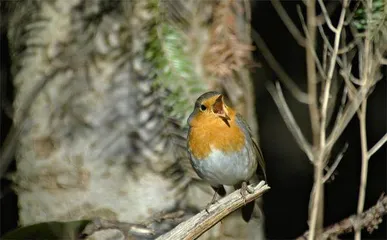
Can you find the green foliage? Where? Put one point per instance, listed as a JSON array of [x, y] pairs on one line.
[[372, 21], [173, 67]]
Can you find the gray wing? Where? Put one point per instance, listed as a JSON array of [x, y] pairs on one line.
[[257, 149]]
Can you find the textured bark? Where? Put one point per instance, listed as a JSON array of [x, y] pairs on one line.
[[95, 140]]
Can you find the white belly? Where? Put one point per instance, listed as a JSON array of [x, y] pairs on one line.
[[226, 169]]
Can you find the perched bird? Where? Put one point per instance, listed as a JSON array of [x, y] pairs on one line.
[[222, 149]]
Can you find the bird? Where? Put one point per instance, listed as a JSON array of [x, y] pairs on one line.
[[221, 148]]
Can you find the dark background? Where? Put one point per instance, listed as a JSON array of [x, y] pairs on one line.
[[290, 174]]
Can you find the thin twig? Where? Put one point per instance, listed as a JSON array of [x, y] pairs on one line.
[[327, 17], [311, 71], [331, 69], [378, 145], [368, 219], [282, 75], [201, 222], [315, 216], [288, 22], [319, 66], [327, 43], [331, 8], [347, 115], [364, 162], [335, 163], [279, 99], [365, 67], [319, 181]]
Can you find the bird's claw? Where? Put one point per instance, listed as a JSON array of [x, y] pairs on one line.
[[245, 190], [213, 200], [208, 207]]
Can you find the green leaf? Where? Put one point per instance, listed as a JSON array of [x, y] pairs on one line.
[[173, 66]]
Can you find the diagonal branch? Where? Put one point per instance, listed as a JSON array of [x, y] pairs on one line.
[[368, 219], [335, 163], [279, 99], [201, 222], [282, 75], [288, 22], [327, 17], [377, 146]]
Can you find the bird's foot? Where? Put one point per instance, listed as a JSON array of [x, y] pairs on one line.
[[208, 207], [245, 190], [213, 200]]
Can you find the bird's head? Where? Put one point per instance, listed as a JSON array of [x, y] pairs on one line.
[[210, 105]]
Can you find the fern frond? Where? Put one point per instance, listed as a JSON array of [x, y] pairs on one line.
[[173, 68]]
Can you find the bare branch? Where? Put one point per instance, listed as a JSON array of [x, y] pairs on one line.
[[319, 66], [368, 219], [382, 61], [367, 79], [331, 7], [378, 145], [347, 115], [316, 200], [311, 72], [288, 22], [282, 75], [201, 222], [326, 15], [364, 162], [335, 163], [331, 69], [279, 99]]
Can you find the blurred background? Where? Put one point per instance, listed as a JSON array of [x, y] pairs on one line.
[[290, 174]]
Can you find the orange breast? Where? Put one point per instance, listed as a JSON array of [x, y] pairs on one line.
[[207, 131]]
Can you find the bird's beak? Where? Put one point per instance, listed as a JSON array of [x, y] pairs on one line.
[[219, 108]]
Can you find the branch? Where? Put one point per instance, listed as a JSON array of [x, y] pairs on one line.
[[330, 74], [282, 75], [347, 115], [311, 71], [368, 219], [288, 118], [364, 162], [335, 163], [316, 200], [312, 49], [201, 222], [377, 145], [288, 22], [327, 17]]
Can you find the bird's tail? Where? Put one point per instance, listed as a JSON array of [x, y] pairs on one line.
[[247, 211]]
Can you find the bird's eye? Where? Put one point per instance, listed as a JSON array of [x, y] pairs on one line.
[[202, 107]]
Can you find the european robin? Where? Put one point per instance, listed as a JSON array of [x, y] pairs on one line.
[[222, 149]]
